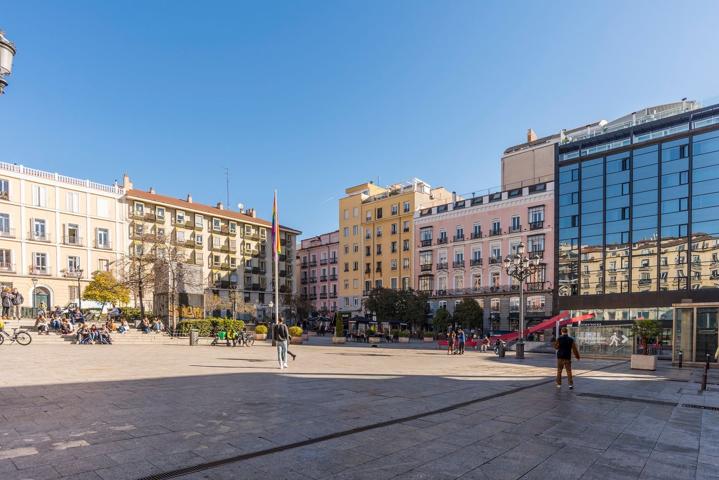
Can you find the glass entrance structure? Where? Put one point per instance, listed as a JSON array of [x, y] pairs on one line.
[[695, 331]]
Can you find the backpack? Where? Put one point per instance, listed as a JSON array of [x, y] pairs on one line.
[[19, 300]]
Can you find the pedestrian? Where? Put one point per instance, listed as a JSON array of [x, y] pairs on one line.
[[450, 343], [565, 346], [281, 335], [17, 302], [460, 339]]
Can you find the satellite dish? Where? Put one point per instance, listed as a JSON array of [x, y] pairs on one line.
[[240, 206]]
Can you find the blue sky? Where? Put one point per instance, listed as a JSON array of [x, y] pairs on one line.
[[311, 97]]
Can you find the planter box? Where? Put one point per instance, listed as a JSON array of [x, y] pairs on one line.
[[339, 340], [373, 339], [311, 334], [644, 362], [428, 339], [260, 336], [296, 340], [403, 339]]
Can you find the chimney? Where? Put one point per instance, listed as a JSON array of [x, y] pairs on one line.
[[454, 197], [152, 190], [531, 135], [189, 198], [220, 206], [126, 182], [251, 212]]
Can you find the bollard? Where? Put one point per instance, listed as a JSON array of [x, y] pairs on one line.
[[706, 372], [501, 352], [194, 336], [681, 358]]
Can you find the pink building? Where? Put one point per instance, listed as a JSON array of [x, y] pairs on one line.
[[317, 258], [461, 246]]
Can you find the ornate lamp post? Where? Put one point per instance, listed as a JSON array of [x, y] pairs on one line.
[[78, 274], [7, 52], [520, 267], [34, 286]]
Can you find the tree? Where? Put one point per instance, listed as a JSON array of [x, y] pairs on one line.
[[411, 308], [441, 320], [301, 306], [339, 325], [104, 289], [469, 314], [382, 302], [645, 330]]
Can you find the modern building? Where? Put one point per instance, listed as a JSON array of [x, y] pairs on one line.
[[318, 271], [639, 226], [55, 231], [461, 246], [231, 248], [376, 237]]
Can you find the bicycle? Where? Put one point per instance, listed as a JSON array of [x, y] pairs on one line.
[[18, 335], [246, 339]]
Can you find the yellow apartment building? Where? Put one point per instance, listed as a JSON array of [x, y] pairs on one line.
[[231, 250], [376, 237], [55, 231]]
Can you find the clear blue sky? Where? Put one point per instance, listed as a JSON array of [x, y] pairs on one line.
[[310, 97]]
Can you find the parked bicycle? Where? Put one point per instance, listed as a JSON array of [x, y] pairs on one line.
[[245, 339], [19, 335]]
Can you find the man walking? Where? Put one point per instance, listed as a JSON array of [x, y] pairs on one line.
[[17, 302], [461, 339], [281, 335], [565, 346]]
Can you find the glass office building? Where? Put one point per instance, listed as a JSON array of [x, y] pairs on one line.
[[638, 223]]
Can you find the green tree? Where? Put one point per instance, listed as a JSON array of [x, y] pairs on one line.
[[411, 308], [383, 303], [441, 320], [104, 288], [646, 330], [469, 314], [339, 325]]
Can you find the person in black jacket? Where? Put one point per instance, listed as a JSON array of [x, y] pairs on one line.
[[565, 346], [281, 335]]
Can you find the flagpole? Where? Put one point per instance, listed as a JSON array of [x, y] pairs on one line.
[[276, 241]]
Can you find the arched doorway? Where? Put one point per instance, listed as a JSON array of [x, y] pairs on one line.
[[42, 296]]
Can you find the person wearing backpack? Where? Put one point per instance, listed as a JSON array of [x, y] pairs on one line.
[[17, 302], [281, 336]]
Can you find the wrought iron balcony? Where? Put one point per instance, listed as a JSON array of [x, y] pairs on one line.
[[495, 232], [425, 243], [442, 266], [425, 267], [458, 264], [476, 262], [536, 225], [458, 238], [476, 235], [442, 240]]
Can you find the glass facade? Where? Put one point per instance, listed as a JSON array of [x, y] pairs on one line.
[[644, 220]]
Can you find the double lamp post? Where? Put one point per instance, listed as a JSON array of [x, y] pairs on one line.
[[7, 52], [521, 266]]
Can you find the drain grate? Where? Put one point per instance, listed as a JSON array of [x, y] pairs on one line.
[[700, 407], [628, 399]]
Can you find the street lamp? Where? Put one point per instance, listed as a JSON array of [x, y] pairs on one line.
[[271, 305], [520, 267], [78, 274], [7, 52]]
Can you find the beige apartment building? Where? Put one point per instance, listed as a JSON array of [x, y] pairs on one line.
[[376, 237], [231, 250], [55, 231]]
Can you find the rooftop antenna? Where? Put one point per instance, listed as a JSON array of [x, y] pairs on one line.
[[227, 185]]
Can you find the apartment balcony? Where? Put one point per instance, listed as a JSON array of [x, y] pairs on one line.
[[323, 278], [426, 267], [197, 260], [323, 295], [304, 265], [304, 280], [38, 237], [458, 264], [442, 240], [333, 260], [225, 284], [107, 245], [442, 266], [425, 243], [378, 270], [4, 195], [475, 262], [257, 287], [71, 273], [495, 232], [367, 271], [313, 263], [333, 277], [405, 230], [515, 229], [536, 286], [35, 270], [333, 294], [476, 235], [313, 296], [495, 260], [645, 281], [536, 253], [313, 279], [536, 225], [441, 293], [323, 261], [7, 267], [7, 233], [458, 238], [252, 236]]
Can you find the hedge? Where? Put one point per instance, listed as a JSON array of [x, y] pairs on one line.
[[295, 331], [209, 326], [261, 329]]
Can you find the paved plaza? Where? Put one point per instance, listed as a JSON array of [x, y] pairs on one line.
[[344, 412]]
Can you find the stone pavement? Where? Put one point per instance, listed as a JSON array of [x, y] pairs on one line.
[[130, 412]]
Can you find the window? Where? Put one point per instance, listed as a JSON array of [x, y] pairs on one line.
[[73, 264], [405, 207], [516, 225], [379, 231], [160, 214], [72, 234], [39, 262], [102, 238], [355, 266], [72, 202], [393, 264], [346, 214], [198, 239], [368, 215], [367, 251], [263, 233], [180, 217], [355, 212], [476, 230], [38, 230], [535, 303], [496, 227], [355, 229], [347, 267], [180, 236], [459, 233], [495, 280], [103, 209], [405, 263], [514, 304], [355, 248], [248, 230], [103, 265], [393, 283], [4, 224], [393, 229], [405, 245], [476, 281], [139, 208], [39, 196], [459, 282], [405, 226], [216, 241], [494, 305], [379, 249], [5, 260], [216, 224], [395, 209], [535, 243], [233, 262], [536, 215], [379, 266], [216, 259], [405, 283], [393, 247], [4, 189]]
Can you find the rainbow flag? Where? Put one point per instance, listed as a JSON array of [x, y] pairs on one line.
[[276, 246]]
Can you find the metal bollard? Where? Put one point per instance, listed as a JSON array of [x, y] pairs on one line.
[[706, 372], [194, 336], [681, 358]]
